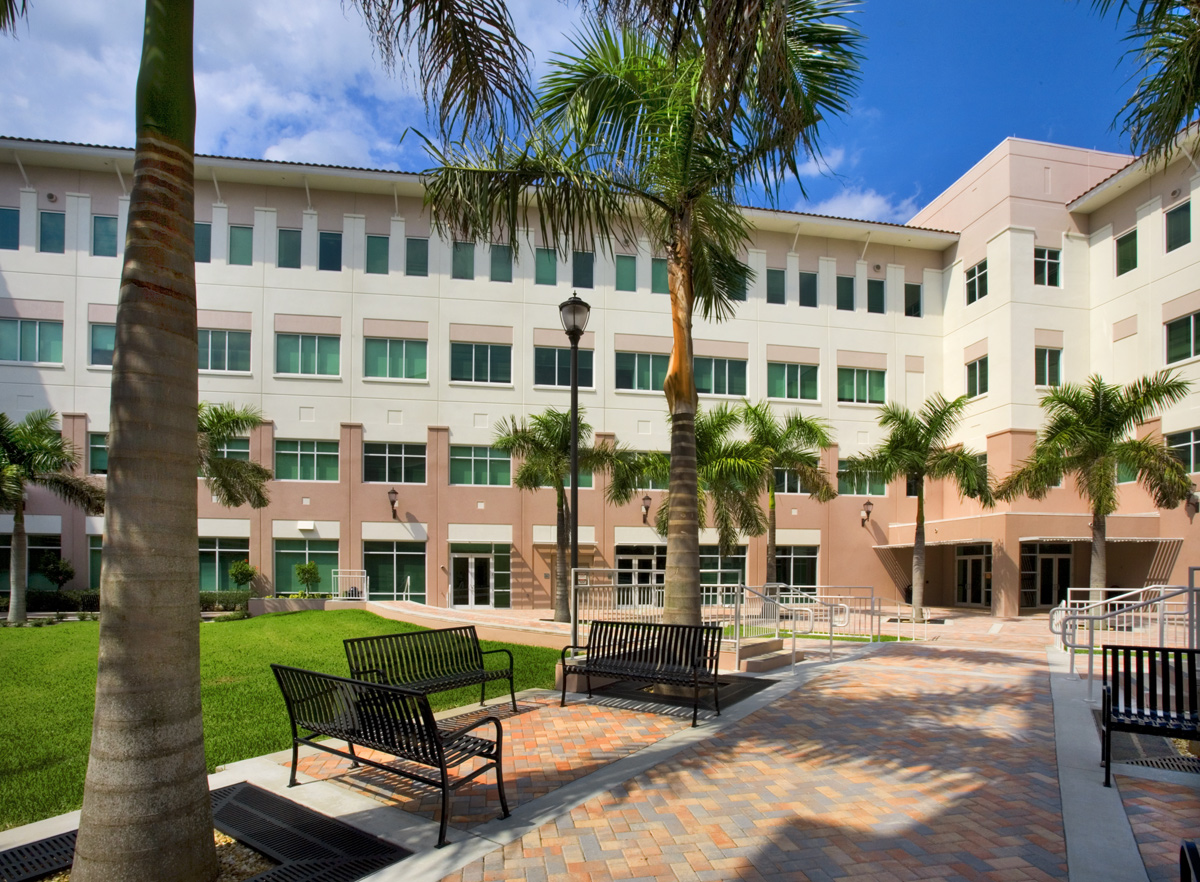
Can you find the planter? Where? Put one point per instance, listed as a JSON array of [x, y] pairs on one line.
[[262, 605]]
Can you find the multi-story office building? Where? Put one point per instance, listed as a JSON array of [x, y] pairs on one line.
[[384, 357]]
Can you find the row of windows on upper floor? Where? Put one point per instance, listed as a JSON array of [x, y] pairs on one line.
[[52, 238]]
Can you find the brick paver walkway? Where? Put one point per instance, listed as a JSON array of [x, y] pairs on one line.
[[1161, 815]]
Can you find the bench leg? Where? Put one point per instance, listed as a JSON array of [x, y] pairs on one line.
[[354, 762], [483, 693], [512, 691], [441, 843], [295, 761], [504, 812], [1106, 750], [563, 703], [717, 696]]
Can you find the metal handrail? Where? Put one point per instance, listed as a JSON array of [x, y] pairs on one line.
[[806, 609], [1120, 598], [743, 590]]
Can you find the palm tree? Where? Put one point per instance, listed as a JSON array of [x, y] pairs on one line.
[[34, 452], [1088, 434], [544, 445], [231, 480], [793, 444], [627, 139], [1166, 100], [917, 447]]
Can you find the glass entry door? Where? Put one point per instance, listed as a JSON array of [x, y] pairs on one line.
[[471, 581], [974, 576], [1054, 578]]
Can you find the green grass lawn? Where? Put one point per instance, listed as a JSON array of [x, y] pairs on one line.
[[48, 690]]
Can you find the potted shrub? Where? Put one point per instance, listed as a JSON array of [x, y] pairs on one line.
[[309, 576]]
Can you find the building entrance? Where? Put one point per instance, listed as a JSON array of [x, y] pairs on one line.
[[471, 581]]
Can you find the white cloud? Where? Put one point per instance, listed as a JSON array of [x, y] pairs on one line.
[[829, 162], [864, 204]]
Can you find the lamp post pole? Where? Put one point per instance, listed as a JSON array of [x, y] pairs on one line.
[[574, 313]]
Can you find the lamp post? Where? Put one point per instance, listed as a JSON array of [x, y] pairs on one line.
[[574, 313]]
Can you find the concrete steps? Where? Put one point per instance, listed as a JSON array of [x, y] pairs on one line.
[[760, 655]]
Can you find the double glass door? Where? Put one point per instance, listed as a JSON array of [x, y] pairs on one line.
[[974, 576], [471, 579], [1054, 578]]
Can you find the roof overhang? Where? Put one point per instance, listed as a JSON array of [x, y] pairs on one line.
[[936, 543], [1137, 172], [1088, 539]]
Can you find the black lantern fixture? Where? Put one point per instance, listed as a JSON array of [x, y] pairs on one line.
[[646, 500], [392, 497], [865, 514], [574, 313]]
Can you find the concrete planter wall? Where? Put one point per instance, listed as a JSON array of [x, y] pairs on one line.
[[262, 605]]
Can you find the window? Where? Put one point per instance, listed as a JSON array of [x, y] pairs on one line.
[[31, 341], [104, 235], [502, 263], [289, 249], [864, 484], [977, 282], [787, 482], [659, 282], [97, 454], [306, 460], [1046, 263], [876, 301], [912, 300], [394, 463], [104, 341], [912, 486], [1127, 252], [41, 550], [95, 559], [642, 371], [416, 257], [776, 286], [395, 359], [1179, 226], [203, 234], [545, 267], [329, 252], [808, 289], [1183, 341], [234, 448], [480, 363], [289, 552], [626, 272], [482, 466], [378, 248], [223, 350], [395, 570], [1186, 446], [10, 229], [796, 565], [552, 367], [241, 246], [216, 557], [308, 355], [795, 381], [462, 260], [737, 291], [845, 292], [52, 232], [720, 376], [717, 569], [1047, 367], [1126, 474], [977, 377], [582, 269], [861, 385]]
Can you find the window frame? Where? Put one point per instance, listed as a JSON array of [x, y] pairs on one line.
[[629, 260], [225, 370], [289, 242], [92, 328], [1119, 243], [808, 283], [561, 353], [719, 365], [240, 229], [1186, 205], [867, 372], [317, 338], [847, 295], [919, 300], [488, 459], [404, 342], [800, 370], [976, 282], [1046, 262], [875, 486], [776, 286], [876, 296], [413, 258], [378, 241], [1193, 325], [403, 456], [315, 456], [651, 370], [977, 377], [38, 341], [462, 261], [326, 240], [1041, 363], [492, 365], [44, 215], [116, 243]]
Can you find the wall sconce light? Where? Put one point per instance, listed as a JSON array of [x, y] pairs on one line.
[[865, 514], [392, 497], [646, 500], [1191, 505]]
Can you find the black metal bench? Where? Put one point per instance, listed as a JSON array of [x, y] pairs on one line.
[[1148, 691], [428, 661], [674, 655], [390, 719]]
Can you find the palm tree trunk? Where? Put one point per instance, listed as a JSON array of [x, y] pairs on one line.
[[918, 567], [1098, 576], [681, 594], [18, 581], [771, 520], [146, 809], [562, 595]]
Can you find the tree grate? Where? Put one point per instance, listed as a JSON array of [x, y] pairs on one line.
[[307, 846], [1169, 763]]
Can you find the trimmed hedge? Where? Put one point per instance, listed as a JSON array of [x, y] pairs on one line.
[[89, 601]]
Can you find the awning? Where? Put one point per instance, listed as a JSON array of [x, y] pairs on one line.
[[935, 542], [1088, 539]]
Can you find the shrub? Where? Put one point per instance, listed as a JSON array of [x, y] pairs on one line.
[[211, 601], [236, 616], [308, 575], [242, 572], [58, 570]]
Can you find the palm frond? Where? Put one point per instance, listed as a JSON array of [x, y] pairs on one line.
[[236, 482], [12, 11]]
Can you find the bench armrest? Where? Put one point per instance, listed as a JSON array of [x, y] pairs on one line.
[[505, 651], [451, 734], [566, 649], [367, 673]]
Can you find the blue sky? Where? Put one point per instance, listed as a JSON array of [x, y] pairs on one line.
[[943, 82]]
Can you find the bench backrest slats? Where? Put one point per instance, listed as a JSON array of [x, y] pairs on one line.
[[414, 656], [1148, 680], [656, 646]]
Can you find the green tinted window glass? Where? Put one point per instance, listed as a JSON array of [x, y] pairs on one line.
[[545, 267], [626, 365], [1179, 339], [377, 255], [502, 263], [10, 229], [416, 257], [808, 289], [97, 454], [1126, 473], [808, 382], [49, 342], [545, 366], [289, 249], [912, 300], [659, 283], [52, 232], [287, 353], [462, 260], [1127, 258], [375, 357], [104, 236], [1179, 226], [104, 341], [845, 292], [203, 242], [626, 266], [776, 380], [328, 356], [737, 291], [776, 286], [415, 359], [329, 251], [10, 340], [875, 385], [875, 296], [238, 353], [95, 556], [462, 362], [582, 268], [845, 384], [241, 246]]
